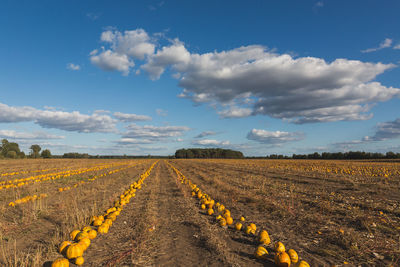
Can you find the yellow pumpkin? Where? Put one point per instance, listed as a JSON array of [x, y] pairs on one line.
[[101, 218], [81, 235], [103, 229], [86, 229], [108, 221], [238, 226], [248, 230], [63, 245], [60, 262], [264, 238], [242, 219], [92, 234], [74, 233], [79, 261], [97, 222], [279, 247], [253, 227], [218, 217], [227, 214], [293, 255], [282, 259], [74, 250], [85, 243], [229, 220], [221, 208], [303, 264], [210, 211], [222, 222], [203, 207], [261, 253]]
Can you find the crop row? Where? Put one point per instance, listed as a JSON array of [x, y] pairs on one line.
[[74, 249], [224, 218], [52, 176], [32, 198], [25, 172]]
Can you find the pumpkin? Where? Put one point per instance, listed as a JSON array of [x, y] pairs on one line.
[[253, 227], [238, 226], [229, 220], [203, 206], [101, 218], [97, 222], [103, 229], [210, 211], [303, 264], [112, 217], [227, 214], [218, 217], [264, 238], [293, 255], [193, 194], [74, 250], [86, 229], [282, 259], [79, 261], [222, 222], [108, 221], [242, 219], [60, 262], [63, 245], [221, 208], [92, 234], [85, 242], [261, 253], [81, 235], [248, 230], [279, 247], [74, 233]]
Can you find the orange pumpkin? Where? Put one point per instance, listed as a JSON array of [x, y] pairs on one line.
[[74, 250], [60, 262], [293, 255], [282, 259]]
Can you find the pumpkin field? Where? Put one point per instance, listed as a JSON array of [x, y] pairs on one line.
[[199, 212]]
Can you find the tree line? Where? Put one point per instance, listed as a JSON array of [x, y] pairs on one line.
[[208, 153], [11, 150], [339, 155]]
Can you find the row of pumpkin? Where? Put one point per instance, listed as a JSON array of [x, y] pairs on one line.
[[25, 172], [53, 176], [74, 249], [224, 218], [32, 198]]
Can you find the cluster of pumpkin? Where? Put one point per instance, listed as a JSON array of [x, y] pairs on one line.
[[81, 239], [224, 219], [51, 176], [25, 172], [93, 178], [26, 199]]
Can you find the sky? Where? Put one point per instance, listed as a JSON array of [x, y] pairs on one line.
[[150, 77]]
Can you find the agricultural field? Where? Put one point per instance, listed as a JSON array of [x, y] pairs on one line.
[[199, 212]]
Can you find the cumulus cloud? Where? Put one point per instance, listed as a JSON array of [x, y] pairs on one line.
[[68, 121], [11, 134], [211, 143], [301, 90], [109, 61], [277, 137], [154, 133], [125, 117], [396, 46], [384, 44], [72, 66], [385, 131], [204, 134]]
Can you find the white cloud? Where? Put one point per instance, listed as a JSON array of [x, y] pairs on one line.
[[110, 61], [28, 135], [204, 134], [235, 112], [93, 16], [68, 121], [125, 117], [277, 137], [134, 141], [154, 133], [211, 143], [301, 90], [397, 46], [384, 44], [319, 4], [161, 112], [72, 66]]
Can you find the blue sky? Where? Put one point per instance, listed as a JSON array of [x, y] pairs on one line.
[[149, 77]]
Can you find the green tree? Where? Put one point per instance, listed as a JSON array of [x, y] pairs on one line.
[[35, 149], [11, 154], [46, 154]]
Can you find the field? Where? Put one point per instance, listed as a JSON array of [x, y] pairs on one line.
[[156, 211]]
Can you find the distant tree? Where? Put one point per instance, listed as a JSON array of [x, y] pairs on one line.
[[12, 154], [21, 155], [46, 154], [207, 153], [7, 147], [35, 150]]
